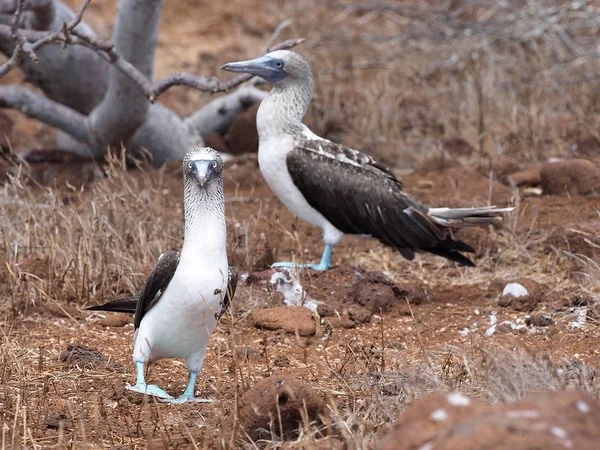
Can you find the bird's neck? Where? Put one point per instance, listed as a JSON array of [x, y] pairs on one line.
[[205, 232], [282, 111]]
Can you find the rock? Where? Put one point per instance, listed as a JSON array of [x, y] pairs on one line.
[[545, 420], [539, 320], [359, 315], [504, 167], [457, 146], [376, 293], [521, 295], [116, 320], [573, 176], [288, 318], [526, 178], [278, 396], [77, 355], [325, 310]]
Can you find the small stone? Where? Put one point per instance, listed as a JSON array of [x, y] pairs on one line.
[[572, 176], [325, 310], [359, 315], [288, 318], [539, 320]]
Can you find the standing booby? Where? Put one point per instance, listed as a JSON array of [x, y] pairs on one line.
[[338, 189], [185, 294]]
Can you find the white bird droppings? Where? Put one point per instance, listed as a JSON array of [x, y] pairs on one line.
[[583, 407], [514, 290], [458, 399], [559, 432], [293, 293], [427, 446], [439, 415], [579, 322]]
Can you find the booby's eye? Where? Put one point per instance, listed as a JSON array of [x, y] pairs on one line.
[[279, 64]]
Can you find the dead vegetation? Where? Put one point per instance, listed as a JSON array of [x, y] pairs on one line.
[[431, 80]]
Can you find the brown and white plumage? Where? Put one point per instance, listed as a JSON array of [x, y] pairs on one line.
[[339, 189]]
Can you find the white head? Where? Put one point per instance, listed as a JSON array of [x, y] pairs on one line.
[[280, 67], [204, 166]]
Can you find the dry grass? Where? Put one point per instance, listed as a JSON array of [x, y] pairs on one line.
[[66, 248]]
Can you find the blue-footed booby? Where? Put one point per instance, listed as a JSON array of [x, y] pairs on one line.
[[339, 189], [185, 294]]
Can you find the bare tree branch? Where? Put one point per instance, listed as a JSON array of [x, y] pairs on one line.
[[23, 38], [45, 110]]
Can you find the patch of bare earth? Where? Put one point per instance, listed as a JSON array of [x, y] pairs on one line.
[[386, 331]]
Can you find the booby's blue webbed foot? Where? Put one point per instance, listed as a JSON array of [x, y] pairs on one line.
[[187, 398], [325, 263], [293, 265], [142, 387], [150, 389], [188, 395]]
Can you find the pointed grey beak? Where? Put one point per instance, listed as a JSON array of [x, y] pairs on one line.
[[270, 69], [203, 170]]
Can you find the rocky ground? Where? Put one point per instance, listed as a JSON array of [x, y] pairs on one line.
[[378, 352]]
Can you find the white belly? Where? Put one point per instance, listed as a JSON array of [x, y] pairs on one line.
[[181, 323], [272, 161]]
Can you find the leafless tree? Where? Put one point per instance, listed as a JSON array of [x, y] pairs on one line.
[[100, 95]]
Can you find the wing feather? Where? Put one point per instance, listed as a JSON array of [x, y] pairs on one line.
[[359, 196], [156, 283]]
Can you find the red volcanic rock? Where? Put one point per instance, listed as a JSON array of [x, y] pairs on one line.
[[546, 420], [288, 318], [573, 176], [276, 403]]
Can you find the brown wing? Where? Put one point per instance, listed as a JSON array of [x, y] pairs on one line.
[[156, 283], [232, 282], [364, 198]]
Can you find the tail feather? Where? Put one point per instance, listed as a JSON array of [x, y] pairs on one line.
[[124, 305], [467, 217]]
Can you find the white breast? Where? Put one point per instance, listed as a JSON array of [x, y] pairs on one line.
[[182, 321]]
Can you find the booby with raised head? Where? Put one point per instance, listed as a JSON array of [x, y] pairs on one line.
[[338, 189], [185, 294]]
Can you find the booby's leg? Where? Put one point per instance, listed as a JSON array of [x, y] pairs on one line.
[[188, 395], [325, 263], [142, 387]]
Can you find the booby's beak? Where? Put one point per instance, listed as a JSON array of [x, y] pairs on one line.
[[203, 170], [271, 69]]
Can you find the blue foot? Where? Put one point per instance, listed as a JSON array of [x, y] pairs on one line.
[[150, 389], [325, 263], [187, 398]]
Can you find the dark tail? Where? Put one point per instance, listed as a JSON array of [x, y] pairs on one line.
[[124, 305]]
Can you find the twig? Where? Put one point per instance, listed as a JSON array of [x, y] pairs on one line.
[[23, 38], [67, 35]]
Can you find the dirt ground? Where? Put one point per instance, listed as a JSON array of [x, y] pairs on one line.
[[386, 331]]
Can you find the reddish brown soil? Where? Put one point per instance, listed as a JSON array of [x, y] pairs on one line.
[[388, 331]]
